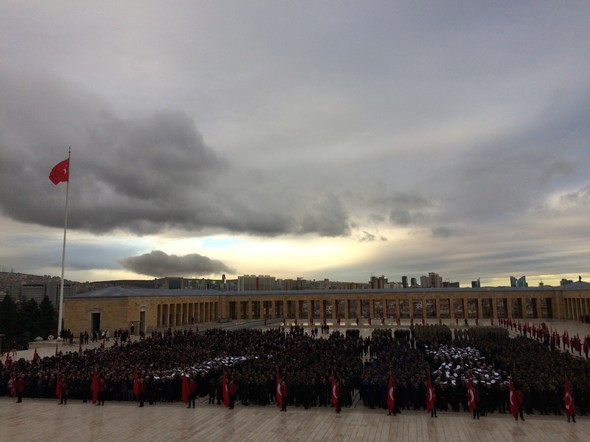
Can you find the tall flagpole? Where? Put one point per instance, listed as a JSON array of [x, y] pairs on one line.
[[63, 255]]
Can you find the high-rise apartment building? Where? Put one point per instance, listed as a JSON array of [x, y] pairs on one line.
[[433, 280], [405, 282], [377, 282], [253, 282], [518, 282]]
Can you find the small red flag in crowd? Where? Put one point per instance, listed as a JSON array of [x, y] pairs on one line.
[[568, 399], [390, 395], [94, 388], [13, 386], [135, 384], [225, 391], [471, 396], [279, 393], [513, 400], [334, 393], [430, 396], [184, 395]]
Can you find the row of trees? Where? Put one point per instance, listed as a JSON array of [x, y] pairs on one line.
[[24, 321]]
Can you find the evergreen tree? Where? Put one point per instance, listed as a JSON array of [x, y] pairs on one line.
[[47, 318], [8, 320], [28, 314], [8, 316]]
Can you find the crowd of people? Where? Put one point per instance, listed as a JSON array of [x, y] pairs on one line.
[[456, 363]]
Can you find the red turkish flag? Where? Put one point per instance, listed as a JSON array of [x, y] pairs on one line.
[[60, 172], [430, 396], [471, 396], [513, 400], [335, 393], [279, 393], [184, 396], [225, 391], [13, 386], [390, 395], [568, 399], [135, 384], [94, 388]]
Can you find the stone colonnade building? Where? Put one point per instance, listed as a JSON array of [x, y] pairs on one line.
[[150, 309]]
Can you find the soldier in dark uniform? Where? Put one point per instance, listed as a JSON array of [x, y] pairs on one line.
[[20, 388], [64, 391]]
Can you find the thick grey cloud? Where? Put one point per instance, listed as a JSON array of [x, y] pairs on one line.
[[159, 264], [140, 174]]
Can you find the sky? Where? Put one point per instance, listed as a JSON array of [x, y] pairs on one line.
[[313, 139]]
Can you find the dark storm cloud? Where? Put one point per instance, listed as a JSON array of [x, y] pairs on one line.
[[407, 208], [327, 217], [159, 264], [140, 174]]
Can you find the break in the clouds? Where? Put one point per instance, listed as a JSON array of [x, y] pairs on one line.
[[160, 264]]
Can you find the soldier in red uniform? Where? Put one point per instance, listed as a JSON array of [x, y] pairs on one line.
[[192, 392], [568, 401], [141, 390], [231, 389]]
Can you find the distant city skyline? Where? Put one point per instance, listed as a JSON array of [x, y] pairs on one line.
[[317, 140], [372, 282]]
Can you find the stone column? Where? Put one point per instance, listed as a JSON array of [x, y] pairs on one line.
[[452, 309], [297, 310], [437, 308], [346, 308], [334, 310], [359, 308], [479, 308], [465, 308], [494, 306]]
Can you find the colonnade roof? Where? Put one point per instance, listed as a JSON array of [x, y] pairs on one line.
[[120, 292]]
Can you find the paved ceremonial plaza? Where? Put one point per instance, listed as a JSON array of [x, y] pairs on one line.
[[45, 420]]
